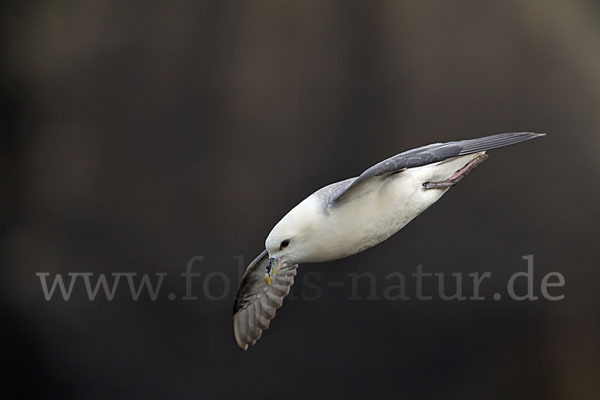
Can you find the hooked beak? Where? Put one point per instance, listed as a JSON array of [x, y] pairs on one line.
[[272, 268]]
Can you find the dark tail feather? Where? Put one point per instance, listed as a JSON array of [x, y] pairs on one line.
[[471, 146]]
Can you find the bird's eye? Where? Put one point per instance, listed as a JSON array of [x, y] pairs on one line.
[[284, 243]]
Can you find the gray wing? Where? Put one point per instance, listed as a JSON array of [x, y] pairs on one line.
[[428, 155], [256, 302]]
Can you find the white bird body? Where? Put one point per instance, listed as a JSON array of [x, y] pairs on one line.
[[380, 209], [350, 216]]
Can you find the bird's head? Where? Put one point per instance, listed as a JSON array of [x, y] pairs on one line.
[[290, 241]]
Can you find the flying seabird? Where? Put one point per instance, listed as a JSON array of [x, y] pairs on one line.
[[347, 217]]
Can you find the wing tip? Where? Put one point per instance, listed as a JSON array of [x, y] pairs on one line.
[[525, 136], [532, 135], [470, 146], [237, 335]]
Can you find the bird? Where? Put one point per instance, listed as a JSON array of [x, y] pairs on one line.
[[347, 217]]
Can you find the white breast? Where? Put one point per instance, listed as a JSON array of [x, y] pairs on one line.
[[380, 209]]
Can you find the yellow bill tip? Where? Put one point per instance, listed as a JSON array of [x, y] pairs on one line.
[[268, 279]]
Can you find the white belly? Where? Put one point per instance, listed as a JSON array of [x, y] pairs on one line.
[[385, 207]]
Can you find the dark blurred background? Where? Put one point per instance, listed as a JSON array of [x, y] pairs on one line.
[[136, 136]]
